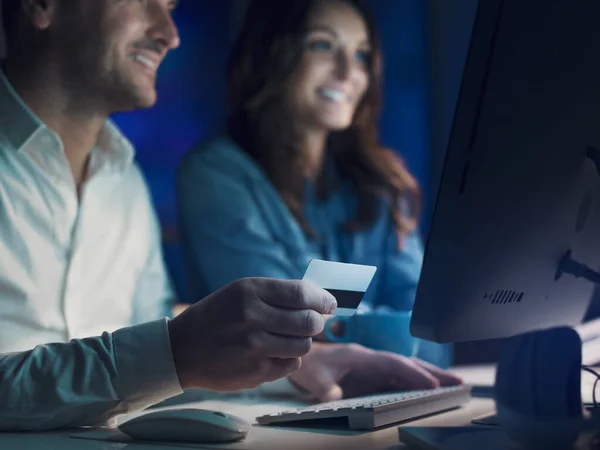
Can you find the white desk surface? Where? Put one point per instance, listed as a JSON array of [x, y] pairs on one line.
[[275, 438]]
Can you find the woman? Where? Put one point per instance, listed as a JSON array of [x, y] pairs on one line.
[[300, 173]]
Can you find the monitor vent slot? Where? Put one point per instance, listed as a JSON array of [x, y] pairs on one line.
[[503, 296]]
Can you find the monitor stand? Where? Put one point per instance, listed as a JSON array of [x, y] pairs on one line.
[[534, 373]]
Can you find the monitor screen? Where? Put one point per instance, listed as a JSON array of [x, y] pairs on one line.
[[518, 188]]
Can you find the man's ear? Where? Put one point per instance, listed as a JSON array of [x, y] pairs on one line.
[[40, 12]]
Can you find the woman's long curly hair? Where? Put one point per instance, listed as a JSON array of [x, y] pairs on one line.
[[265, 54]]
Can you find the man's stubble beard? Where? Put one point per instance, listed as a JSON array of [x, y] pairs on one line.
[[97, 78]]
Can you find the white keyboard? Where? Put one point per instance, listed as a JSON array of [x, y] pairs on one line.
[[373, 411]]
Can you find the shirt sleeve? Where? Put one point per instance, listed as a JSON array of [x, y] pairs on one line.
[[223, 230], [88, 381]]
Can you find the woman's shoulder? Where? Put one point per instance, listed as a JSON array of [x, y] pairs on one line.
[[219, 155]]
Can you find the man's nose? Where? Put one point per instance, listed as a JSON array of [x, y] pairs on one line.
[[163, 28]]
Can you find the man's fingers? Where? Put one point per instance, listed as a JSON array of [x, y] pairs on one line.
[[281, 368], [291, 322], [446, 378], [294, 294], [276, 346]]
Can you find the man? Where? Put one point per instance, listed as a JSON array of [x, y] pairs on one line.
[[80, 250]]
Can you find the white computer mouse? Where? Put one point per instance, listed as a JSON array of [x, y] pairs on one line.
[[186, 425]]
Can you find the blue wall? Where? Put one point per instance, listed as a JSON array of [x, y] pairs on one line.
[[191, 98], [404, 124]]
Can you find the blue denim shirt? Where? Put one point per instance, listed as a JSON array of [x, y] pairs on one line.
[[234, 224]]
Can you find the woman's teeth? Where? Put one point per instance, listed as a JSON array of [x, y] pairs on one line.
[[145, 61], [333, 94]]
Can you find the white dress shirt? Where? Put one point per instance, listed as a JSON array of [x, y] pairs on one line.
[[72, 268]]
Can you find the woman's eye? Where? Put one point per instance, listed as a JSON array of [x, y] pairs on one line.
[[320, 45], [363, 56]]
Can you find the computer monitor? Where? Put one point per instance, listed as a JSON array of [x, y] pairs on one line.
[[519, 186]]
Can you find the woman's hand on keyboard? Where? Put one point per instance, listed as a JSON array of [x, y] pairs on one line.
[[333, 371]]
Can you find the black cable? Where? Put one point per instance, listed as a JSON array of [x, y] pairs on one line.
[[578, 270], [594, 155], [568, 264], [592, 371]]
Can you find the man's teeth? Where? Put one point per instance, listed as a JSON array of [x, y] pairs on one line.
[[333, 94], [145, 61]]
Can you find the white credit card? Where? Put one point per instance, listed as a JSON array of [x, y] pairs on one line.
[[346, 282]]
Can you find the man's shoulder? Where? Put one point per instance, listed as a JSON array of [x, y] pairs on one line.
[[134, 175], [134, 182]]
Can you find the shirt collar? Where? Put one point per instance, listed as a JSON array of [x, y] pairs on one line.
[[23, 129], [113, 149], [18, 123]]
